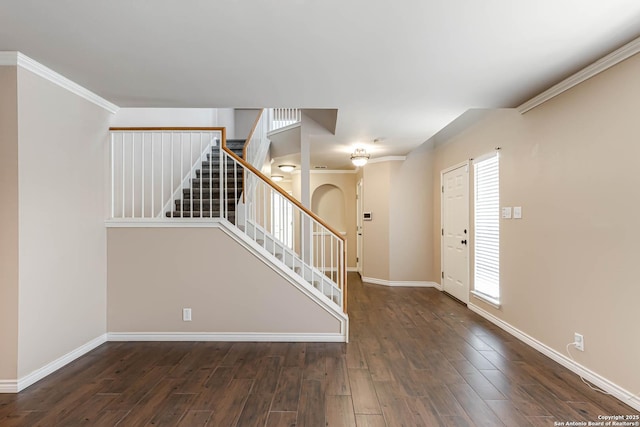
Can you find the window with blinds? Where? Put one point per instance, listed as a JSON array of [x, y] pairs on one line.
[[487, 227]]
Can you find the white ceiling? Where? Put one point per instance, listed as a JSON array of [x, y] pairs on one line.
[[399, 70]]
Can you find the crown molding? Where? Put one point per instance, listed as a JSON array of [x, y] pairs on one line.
[[586, 73], [388, 159], [326, 171], [20, 60]]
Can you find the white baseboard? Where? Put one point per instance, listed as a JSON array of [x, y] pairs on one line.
[[15, 386], [615, 390], [399, 283], [352, 269], [217, 336], [8, 386]]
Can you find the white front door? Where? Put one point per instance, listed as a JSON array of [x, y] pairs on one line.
[[359, 227], [455, 226]]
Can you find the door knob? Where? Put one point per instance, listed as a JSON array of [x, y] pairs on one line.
[[464, 242]]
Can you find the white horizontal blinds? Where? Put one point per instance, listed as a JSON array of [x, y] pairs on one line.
[[487, 227]]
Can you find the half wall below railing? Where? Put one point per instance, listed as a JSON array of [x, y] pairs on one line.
[[290, 232], [187, 174]]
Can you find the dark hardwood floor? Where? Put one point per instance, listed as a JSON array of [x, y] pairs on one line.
[[415, 358]]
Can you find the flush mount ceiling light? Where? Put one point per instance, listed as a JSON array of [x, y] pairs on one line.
[[276, 178], [360, 157], [286, 168]]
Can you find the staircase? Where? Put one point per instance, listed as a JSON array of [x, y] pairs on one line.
[[202, 199], [196, 173]]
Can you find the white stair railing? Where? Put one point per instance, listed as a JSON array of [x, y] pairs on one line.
[[257, 145], [310, 248], [255, 153], [283, 117], [151, 166]]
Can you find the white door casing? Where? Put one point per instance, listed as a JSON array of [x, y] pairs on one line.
[[455, 231], [359, 210]]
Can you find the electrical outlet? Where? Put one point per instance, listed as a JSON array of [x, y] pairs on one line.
[[186, 314], [579, 341]]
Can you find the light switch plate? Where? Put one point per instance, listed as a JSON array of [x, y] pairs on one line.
[[506, 213], [517, 212]]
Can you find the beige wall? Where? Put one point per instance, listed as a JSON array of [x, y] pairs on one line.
[[398, 242], [286, 186], [153, 273], [571, 264], [346, 183], [8, 223], [62, 148], [296, 183], [327, 201], [174, 117], [486, 136], [244, 119], [411, 217], [377, 179]]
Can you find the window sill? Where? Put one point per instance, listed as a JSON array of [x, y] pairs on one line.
[[491, 301]]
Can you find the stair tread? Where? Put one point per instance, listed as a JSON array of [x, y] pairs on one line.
[[216, 171], [216, 174], [216, 181], [207, 193], [215, 155], [207, 164], [236, 143], [215, 159], [230, 172], [197, 202], [215, 163]]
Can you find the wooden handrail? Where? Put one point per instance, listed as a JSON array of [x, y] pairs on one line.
[[244, 163], [286, 195], [283, 193], [269, 182], [301, 207], [262, 176], [165, 128]]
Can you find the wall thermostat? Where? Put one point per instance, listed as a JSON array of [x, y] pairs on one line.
[[367, 216]]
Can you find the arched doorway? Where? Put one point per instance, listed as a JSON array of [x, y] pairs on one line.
[[328, 203]]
